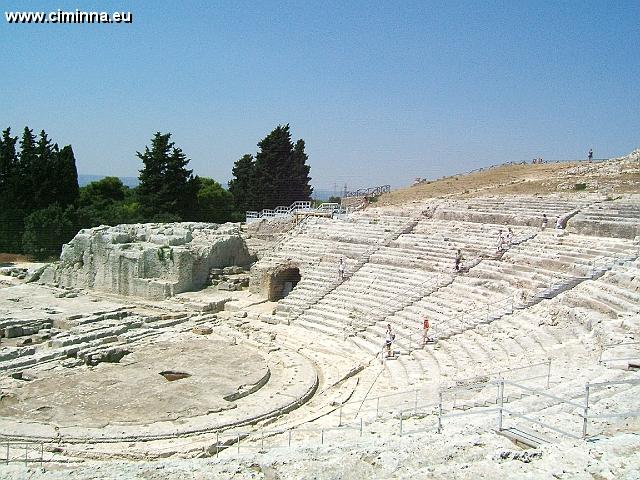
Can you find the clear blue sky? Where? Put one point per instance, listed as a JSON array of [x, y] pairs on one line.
[[381, 92]]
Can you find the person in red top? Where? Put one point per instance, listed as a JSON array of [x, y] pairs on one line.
[[425, 331]]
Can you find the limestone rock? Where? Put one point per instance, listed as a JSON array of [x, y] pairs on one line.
[[152, 260]]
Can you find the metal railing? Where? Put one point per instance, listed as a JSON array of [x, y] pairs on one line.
[[597, 385], [295, 208], [27, 452], [620, 344], [328, 207], [583, 406], [350, 416], [280, 211]]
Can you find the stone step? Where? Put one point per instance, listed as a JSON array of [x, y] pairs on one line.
[[71, 339]]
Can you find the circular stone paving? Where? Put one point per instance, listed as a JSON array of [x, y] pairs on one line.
[[166, 381]]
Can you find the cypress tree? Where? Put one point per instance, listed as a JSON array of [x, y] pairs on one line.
[[300, 187], [241, 186], [180, 188], [151, 175], [26, 163], [281, 175], [166, 186], [67, 190], [43, 173], [11, 216], [272, 175], [37, 178], [8, 160]]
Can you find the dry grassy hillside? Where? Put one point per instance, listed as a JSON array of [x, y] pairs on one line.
[[620, 175]]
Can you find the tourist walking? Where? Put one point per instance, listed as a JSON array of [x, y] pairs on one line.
[[458, 260], [425, 331], [508, 238], [590, 156], [500, 244], [545, 221], [341, 267], [388, 340], [558, 223]]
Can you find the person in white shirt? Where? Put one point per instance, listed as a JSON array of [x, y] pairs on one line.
[[341, 268]]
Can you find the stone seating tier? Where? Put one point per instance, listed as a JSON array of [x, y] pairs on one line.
[[609, 219]]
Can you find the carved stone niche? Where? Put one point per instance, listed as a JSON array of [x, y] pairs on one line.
[[275, 281]]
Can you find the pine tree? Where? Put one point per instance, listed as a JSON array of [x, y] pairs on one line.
[[215, 204], [241, 185]]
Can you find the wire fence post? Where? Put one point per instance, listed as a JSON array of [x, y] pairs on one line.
[[340, 417], [377, 406], [42, 455], [217, 444], [360, 426], [289, 445], [238, 444], [322, 436], [415, 405], [500, 405], [7, 453], [26, 453], [585, 418], [262, 441], [440, 413], [548, 373], [401, 422]]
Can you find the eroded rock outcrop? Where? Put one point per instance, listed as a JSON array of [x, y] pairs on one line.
[[152, 261]]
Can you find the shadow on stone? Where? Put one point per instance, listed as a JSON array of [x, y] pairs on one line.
[[173, 376]]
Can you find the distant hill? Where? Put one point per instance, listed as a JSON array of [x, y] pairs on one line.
[[85, 179], [323, 194]]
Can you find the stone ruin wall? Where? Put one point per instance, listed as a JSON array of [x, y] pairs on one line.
[[152, 261]]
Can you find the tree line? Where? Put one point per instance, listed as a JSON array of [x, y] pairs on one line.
[[42, 207]]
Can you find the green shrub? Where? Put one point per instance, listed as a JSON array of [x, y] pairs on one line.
[[580, 186], [46, 230]]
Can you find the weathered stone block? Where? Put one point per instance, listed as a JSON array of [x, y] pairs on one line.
[[151, 261], [13, 331]]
